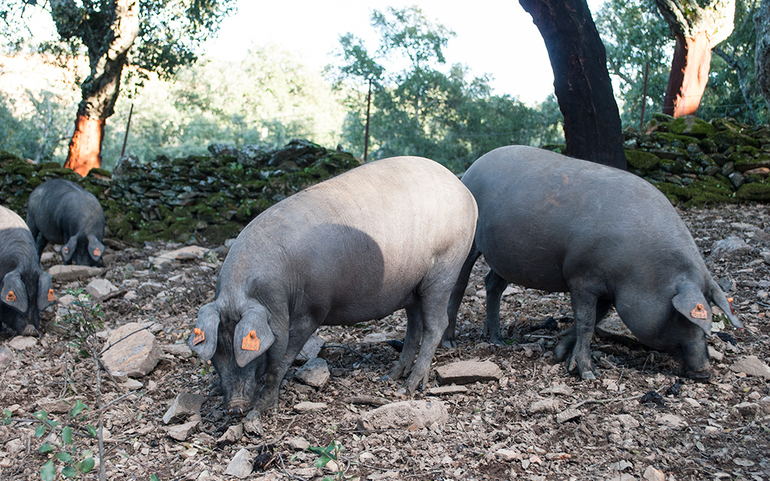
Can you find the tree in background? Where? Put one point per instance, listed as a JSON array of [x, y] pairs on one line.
[[762, 62], [636, 39], [156, 36], [697, 29], [418, 109], [581, 81]]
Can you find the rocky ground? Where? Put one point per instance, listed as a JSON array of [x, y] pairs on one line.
[[533, 421]]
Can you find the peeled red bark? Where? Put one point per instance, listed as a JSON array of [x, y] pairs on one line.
[[592, 127], [108, 45], [689, 75], [697, 29]]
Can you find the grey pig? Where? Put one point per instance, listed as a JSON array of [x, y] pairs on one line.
[[62, 212], [25, 289], [386, 235], [550, 222]]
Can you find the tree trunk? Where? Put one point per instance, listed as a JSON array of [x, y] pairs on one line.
[[697, 30], [582, 84], [108, 53], [689, 74], [762, 54]]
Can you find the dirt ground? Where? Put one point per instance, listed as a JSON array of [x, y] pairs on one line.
[[494, 430]]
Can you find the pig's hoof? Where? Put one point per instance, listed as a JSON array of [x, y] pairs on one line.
[[238, 406], [449, 343], [29, 330], [700, 376], [588, 376]]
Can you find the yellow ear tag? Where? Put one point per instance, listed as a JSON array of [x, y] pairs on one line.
[[10, 297], [97, 252], [200, 336], [699, 312], [730, 301], [51, 296], [250, 342]]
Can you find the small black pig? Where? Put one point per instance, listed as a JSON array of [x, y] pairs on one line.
[[62, 212], [25, 289], [558, 224]]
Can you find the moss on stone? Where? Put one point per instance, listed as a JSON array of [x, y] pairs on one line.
[[642, 161], [754, 192], [689, 125]]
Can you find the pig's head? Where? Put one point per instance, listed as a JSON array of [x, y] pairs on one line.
[[83, 251], [236, 345], [693, 324], [22, 300]]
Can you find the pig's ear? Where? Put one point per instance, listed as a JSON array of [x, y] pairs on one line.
[[725, 303], [45, 295], [14, 292], [689, 301], [203, 339], [95, 248], [69, 248], [253, 335]]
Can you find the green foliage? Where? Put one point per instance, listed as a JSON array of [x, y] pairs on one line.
[[418, 109], [64, 452], [328, 454]]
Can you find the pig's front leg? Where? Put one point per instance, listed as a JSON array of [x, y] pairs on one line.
[[287, 346], [584, 308], [458, 291]]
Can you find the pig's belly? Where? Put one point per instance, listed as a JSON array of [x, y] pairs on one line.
[[542, 272]]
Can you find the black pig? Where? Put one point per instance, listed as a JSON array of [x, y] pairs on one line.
[[25, 289], [62, 212]]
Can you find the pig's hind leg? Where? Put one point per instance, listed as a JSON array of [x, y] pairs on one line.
[[458, 291], [412, 340], [432, 304], [495, 285]]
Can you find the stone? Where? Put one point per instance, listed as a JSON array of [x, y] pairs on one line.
[[307, 406], [311, 349], [507, 455], [178, 350], [253, 423], [568, 415], [652, 474], [131, 351], [614, 329], [752, 366], [411, 415], [544, 406], [747, 409], [375, 338], [62, 273], [297, 443], [20, 343], [560, 389], [447, 390], [314, 373], [627, 421], [671, 420], [6, 356], [715, 355], [183, 254], [729, 247], [181, 432], [233, 435], [240, 466], [464, 372], [99, 288], [184, 404]]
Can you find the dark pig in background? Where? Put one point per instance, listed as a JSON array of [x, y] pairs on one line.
[[386, 235], [550, 222], [25, 290], [62, 212]]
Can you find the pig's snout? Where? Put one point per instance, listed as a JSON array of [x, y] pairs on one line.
[[238, 405]]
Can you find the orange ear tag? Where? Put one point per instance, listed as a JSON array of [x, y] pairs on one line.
[[97, 252], [51, 296], [65, 249], [10, 297], [200, 336], [250, 342], [730, 301], [699, 312]]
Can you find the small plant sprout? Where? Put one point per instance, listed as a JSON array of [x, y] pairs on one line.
[[328, 454]]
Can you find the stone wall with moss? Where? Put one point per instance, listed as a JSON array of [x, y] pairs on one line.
[[208, 198], [211, 198], [697, 163]]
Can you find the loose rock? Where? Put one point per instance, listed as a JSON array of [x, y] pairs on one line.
[[752, 366], [131, 351], [314, 373], [181, 432], [405, 414], [240, 466], [68, 273], [464, 372], [184, 404]]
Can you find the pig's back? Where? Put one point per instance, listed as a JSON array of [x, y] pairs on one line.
[[542, 214]]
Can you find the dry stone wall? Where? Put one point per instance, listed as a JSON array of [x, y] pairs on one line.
[[211, 198]]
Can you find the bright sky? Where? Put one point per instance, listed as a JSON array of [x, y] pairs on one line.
[[493, 37]]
